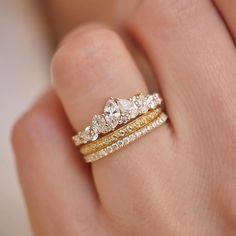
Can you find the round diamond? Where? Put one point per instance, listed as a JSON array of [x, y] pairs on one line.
[[90, 133], [151, 102], [112, 113], [109, 149], [133, 111], [114, 146], [124, 119], [157, 98], [120, 143], [99, 123], [141, 102], [126, 140]]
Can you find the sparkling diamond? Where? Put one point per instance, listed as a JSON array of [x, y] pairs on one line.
[[109, 149], [157, 98], [151, 102], [128, 108], [132, 137], [141, 102], [124, 119], [99, 123], [120, 143], [114, 146], [112, 113], [90, 134], [126, 140]]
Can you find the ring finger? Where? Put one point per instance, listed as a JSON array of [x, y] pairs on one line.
[[90, 67]]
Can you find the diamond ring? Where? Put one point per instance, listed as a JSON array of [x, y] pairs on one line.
[[161, 119], [117, 112], [120, 133]]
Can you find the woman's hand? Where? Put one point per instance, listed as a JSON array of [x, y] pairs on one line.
[[178, 180]]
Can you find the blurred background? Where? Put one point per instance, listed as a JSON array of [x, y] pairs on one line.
[[25, 51], [29, 32]]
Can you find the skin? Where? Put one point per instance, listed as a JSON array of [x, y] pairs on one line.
[[178, 180], [64, 16]]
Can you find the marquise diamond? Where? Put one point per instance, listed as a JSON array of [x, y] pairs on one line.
[[112, 113]]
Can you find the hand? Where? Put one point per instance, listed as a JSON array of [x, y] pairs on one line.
[[178, 180]]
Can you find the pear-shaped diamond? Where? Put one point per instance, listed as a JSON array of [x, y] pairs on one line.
[[128, 108], [124, 105], [112, 113], [99, 123]]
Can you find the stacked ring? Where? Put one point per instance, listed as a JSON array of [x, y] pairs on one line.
[[117, 112], [126, 140], [120, 133], [136, 117]]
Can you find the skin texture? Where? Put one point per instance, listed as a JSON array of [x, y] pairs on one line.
[[64, 16], [178, 180]]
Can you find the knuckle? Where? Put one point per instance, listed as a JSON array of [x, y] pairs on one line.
[[82, 51], [183, 8], [172, 14], [28, 128]]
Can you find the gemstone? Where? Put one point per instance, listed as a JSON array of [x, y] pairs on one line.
[[128, 107], [157, 98], [124, 119], [109, 149], [126, 141], [114, 146], [132, 137], [99, 123], [151, 102], [90, 134], [120, 143], [112, 113], [141, 102]]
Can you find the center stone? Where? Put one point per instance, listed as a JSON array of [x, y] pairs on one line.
[[112, 113]]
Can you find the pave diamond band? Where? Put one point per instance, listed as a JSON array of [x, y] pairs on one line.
[[117, 112], [161, 119], [120, 133]]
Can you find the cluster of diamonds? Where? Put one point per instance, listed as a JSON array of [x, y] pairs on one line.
[[120, 133], [116, 112], [127, 140]]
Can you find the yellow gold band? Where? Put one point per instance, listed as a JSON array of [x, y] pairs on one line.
[[120, 133], [161, 119]]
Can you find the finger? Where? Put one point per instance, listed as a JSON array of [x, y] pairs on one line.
[[57, 185], [192, 55], [91, 66], [227, 9], [87, 70]]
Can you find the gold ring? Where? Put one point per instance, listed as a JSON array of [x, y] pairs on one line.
[[126, 140], [117, 112], [120, 133]]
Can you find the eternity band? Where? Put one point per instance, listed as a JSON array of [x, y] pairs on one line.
[[120, 133], [117, 112]]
